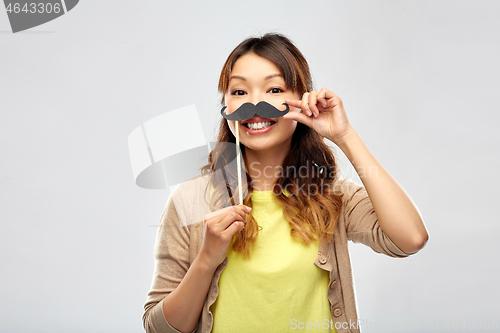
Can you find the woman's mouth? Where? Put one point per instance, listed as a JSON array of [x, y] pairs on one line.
[[259, 126]]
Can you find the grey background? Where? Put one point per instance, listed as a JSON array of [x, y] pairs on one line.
[[419, 81]]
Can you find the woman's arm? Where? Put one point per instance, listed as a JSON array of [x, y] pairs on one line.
[[172, 266], [182, 307], [182, 287], [397, 215]]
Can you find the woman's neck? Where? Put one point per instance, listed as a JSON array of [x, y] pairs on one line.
[[265, 167]]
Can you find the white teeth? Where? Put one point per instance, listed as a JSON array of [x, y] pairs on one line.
[[256, 126]]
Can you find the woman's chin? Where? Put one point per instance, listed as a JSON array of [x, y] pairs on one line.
[[264, 145]]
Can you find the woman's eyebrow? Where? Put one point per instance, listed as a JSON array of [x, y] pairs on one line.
[[273, 75], [243, 79], [237, 77]]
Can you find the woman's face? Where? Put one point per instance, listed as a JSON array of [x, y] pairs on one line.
[[254, 79]]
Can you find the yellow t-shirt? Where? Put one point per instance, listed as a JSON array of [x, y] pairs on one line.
[[279, 288]]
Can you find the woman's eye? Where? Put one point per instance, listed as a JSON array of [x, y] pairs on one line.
[[238, 92], [275, 90]]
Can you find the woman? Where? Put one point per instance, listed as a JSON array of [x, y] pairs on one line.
[[254, 270]]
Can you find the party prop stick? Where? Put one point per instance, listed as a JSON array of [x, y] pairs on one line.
[[238, 163]]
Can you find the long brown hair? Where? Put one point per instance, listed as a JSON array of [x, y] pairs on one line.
[[309, 201]]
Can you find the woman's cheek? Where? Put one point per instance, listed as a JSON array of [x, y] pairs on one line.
[[289, 123], [232, 105]]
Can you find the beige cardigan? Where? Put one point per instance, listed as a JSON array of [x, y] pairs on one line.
[[176, 249]]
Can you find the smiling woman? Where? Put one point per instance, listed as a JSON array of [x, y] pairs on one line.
[[282, 256]]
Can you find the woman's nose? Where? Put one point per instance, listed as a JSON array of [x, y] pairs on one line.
[[256, 98]]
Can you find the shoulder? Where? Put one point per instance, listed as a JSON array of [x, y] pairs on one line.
[[184, 210], [190, 200], [193, 186], [349, 189]]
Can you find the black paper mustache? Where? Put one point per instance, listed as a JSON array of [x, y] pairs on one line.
[[247, 111]]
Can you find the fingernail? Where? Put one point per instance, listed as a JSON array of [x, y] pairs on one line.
[[249, 209]]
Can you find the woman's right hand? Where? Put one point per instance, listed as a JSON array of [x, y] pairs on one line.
[[220, 227]]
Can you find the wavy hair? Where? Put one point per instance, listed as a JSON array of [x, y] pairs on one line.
[[311, 216]]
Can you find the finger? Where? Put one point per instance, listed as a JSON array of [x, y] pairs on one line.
[[236, 213], [221, 220], [300, 117], [215, 213], [233, 228], [330, 98], [322, 97], [242, 210], [312, 102], [245, 208], [229, 219], [211, 215], [293, 102], [304, 104]]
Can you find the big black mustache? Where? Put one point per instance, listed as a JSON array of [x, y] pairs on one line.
[[248, 110]]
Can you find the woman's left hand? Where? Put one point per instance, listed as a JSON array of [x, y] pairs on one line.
[[324, 112]]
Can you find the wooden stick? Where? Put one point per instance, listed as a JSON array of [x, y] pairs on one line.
[[238, 163]]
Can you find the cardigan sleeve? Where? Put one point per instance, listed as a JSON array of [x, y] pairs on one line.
[[361, 221], [171, 253]]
